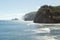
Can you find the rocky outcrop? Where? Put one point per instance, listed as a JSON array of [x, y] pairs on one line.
[[29, 16], [48, 14], [15, 19]]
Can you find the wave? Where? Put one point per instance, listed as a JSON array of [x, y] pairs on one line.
[[45, 38], [35, 24], [42, 30], [43, 24]]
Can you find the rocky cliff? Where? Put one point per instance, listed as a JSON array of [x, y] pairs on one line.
[[29, 16], [48, 14]]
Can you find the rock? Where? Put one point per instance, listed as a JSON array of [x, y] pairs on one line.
[[15, 19], [47, 14], [29, 16]]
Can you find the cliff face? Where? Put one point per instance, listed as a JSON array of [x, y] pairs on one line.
[[29, 16], [48, 14]]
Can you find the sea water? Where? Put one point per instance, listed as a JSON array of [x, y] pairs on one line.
[[25, 30]]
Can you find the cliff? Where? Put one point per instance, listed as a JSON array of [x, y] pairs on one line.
[[48, 14], [29, 16]]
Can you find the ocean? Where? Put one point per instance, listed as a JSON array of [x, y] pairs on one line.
[[27, 30]]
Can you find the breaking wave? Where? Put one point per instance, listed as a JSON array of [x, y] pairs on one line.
[[42, 30], [45, 38]]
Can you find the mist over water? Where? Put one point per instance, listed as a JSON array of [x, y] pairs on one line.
[[27, 30]]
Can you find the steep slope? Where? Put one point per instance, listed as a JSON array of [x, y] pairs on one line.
[[48, 14], [29, 16]]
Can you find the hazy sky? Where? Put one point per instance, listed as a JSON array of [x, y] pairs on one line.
[[15, 8]]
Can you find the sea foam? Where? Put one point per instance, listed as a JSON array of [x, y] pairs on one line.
[[42, 30]]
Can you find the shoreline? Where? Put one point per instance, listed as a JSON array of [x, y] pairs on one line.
[[48, 23]]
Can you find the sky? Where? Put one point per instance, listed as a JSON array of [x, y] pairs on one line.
[[10, 9]]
